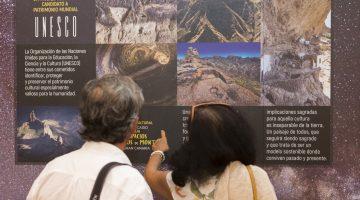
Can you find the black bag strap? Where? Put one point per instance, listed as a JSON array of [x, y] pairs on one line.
[[100, 179]]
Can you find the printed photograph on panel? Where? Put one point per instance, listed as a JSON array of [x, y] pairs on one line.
[[296, 55], [152, 66], [218, 72], [218, 20], [44, 133], [135, 21]]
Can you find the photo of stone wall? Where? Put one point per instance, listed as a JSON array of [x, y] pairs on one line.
[[135, 21], [152, 66], [222, 73], [296, 53], [218, 20]]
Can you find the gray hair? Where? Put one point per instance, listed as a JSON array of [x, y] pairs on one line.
[[108, 107]]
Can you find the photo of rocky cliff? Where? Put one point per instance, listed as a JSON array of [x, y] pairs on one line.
[[135, 21], [296, 57], [152, 66], [222, 73], [44, 133], [218, 20]]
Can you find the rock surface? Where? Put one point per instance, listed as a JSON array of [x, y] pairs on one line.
[[138, 21], [285, 20], [231, 80], [296, 53], [218, 20], [152, 66]]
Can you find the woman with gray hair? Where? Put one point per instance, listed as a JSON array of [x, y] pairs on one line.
[[109, 111]]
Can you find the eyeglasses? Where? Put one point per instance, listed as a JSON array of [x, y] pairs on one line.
[[204, 105]]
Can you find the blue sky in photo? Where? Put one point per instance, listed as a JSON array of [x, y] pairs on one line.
[[240, 49]]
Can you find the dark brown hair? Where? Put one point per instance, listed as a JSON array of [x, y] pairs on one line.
[[218, 135]]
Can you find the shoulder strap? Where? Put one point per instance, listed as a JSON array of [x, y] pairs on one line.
[[100, 179], [253, 183]]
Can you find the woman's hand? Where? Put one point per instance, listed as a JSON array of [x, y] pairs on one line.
[[161, 144], [153, 175]]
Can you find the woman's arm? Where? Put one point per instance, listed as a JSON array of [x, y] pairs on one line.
[[155, 177]]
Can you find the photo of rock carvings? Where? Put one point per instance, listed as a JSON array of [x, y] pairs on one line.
[[218, 72], [218, 20], [152, 66], [296, 55], [135, 21], [44, 133]]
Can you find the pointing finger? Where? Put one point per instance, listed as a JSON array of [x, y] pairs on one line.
[[163, 134]]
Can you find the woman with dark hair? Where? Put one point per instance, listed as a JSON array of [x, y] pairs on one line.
[[215, 163]]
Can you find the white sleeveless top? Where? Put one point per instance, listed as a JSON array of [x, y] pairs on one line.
[[233, 184]]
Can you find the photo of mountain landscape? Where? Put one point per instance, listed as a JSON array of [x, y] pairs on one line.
[[135, 21], [218, 72], [44, 133], [218, 20], [296, 53], [152, 66]]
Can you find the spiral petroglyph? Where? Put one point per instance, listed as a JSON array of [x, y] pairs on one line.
[[152, 66]]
